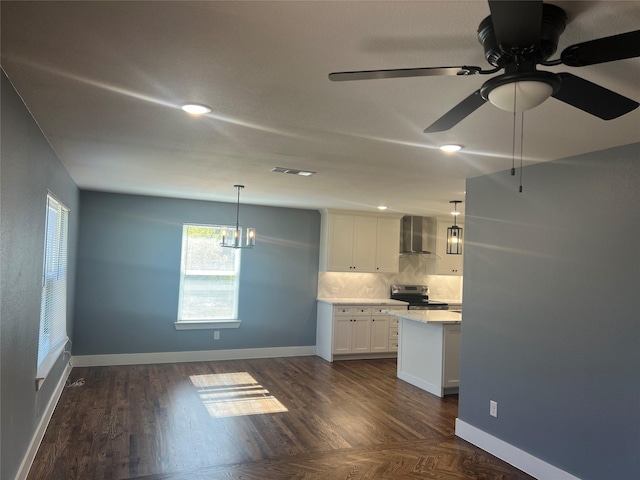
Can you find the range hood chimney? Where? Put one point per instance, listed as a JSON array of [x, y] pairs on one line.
[[417, 235]]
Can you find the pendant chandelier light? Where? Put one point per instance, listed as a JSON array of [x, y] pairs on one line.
[[236, 241], [454, 233]]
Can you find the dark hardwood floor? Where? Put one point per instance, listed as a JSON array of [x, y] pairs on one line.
[[267, 419]]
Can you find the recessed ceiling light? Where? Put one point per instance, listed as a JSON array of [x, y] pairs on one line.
[[382, 207], [450, 148], [292, 171], [195, 109]]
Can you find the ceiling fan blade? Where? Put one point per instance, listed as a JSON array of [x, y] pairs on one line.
[[516, 23], [458, 113], [607, 49], [402, 73], [592, 98]]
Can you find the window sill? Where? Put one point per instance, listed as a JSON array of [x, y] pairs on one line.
[[207, 325], [50, 360]]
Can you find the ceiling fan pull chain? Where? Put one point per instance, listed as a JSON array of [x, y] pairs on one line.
[[513, 140], [521, 146]]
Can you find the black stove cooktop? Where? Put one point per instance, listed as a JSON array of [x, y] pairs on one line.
[[415, 295]]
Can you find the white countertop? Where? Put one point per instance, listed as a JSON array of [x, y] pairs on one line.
[[362, 301], [428, 316]]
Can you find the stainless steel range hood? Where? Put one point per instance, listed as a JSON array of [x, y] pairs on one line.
[[418, 235]]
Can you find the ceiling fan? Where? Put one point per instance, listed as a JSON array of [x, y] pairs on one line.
[[518, 36]]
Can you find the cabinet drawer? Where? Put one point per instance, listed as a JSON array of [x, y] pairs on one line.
[[380, 309], [393, 322], [393, 345], [393, 333], [352, 310]]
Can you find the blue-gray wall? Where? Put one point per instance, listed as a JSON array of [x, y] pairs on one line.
[[129, 273], [28, 169], [551, 325]]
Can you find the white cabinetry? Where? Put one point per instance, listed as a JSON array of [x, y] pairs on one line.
[[390, 336], [387, 245], [352, 243], [352, 330], [356, 330], [451, 356], [380, 333], [359, 243], [393, 333], [446, 264]]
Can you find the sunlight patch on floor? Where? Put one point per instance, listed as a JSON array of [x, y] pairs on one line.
[[235, 394]]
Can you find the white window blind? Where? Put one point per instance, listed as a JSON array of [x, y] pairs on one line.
[[53, 306], [209, 275]]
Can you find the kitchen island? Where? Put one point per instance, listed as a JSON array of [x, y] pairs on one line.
[[429, 349]]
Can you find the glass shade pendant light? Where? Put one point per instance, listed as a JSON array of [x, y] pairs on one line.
[[454, 233], [233, 239]]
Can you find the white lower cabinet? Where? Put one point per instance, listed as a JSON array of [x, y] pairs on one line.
[[351, 330], [380, 333], [452, 335], [393, 334], [351, 335], [355, 330], [342, 333]]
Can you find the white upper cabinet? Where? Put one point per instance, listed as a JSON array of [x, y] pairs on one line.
[[355, 242], [364, 244], [342, 241], [388, 245]]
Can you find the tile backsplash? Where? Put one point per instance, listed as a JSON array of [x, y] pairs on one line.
[[413, 270]]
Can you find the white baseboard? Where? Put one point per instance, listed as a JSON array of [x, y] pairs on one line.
[[510, 454], [420, 383], [38, 435], [195, 356]]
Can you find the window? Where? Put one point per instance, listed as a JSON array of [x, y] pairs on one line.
[[53, 304], [209, 277]]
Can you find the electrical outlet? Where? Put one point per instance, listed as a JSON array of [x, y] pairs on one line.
[[493, 408], [334, 289], [369, 291], [216, 334]]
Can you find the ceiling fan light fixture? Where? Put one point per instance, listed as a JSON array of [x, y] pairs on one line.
[[529, 94], [451, 148], [518, 91], [196, 109]]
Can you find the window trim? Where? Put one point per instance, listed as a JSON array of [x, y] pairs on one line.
[[57, 347], [206, 324]]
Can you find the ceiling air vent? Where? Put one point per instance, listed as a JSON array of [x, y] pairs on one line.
[[292, 171]]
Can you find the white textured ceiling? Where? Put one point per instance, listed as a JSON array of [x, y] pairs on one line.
[[105, 80]]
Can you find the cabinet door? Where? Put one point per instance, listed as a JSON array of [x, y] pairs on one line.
[[446, 264], [361, 335], [364, 246], [451, 354], [388, 245], [340, 248], [380, 333], [342, 335]]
